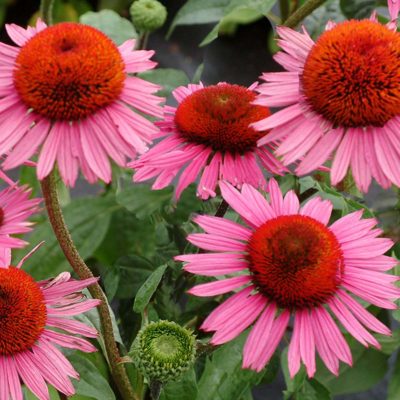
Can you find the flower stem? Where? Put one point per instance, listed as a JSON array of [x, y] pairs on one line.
[[222, 209], [46, 11], [285, 9], [305, 10], [49, 189]]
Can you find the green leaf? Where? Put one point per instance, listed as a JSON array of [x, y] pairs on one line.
[[183, 389], [27, 176], [141, 200], [127, 235], [223, 377], [222, 11], [109, 22], [360, 376], [313, 390], [148, 289], [359, 9], [87, 219], [168, 78], [111, 282], [389, 344], [301, 388], [91, 383], [394, 384], [133, 271], [28, 395], [198, 73], [199, 12], [294, 385], [316, 22], [211, 36]]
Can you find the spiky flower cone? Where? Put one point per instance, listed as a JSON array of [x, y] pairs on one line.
[[163, 350]]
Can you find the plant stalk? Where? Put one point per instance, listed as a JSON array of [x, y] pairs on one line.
[[222, 209], [46, 11], [305, 10], [49, 189], [285, 9]]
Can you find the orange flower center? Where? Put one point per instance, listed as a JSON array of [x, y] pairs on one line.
[[68, 72], [219, 116], [352, 74], [22, 311], [295, 261]]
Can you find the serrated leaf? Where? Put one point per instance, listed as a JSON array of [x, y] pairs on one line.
[[87, 220], [360, 376], [183, 389], [221, 11], [91, 383], [110, 23], [199, 12], [133, 271], [359, 9], [223, 377], [316, 22], [126, 235], [168, 78], [141, 200], [148, 288]]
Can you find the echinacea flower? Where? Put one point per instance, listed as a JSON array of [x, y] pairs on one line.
[[291, 263], [341, 96], [15, 208], [67, 90], [34, 321], [208, 135]]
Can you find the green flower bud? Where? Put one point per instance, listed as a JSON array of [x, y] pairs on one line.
[[148, 15], [163, 350]]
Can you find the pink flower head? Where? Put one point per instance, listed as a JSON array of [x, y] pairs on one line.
[[34, 321], [67, 89], [15, 208], [291, 263], [341, 95], [208, 134]]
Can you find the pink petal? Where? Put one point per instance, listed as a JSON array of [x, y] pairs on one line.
[[318, 209], [241, 321], [258, 336], [219, 287]]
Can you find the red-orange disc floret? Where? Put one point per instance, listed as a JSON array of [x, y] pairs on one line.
[[68, 72], [219, 116], [22, 311], [295, 261], [352, 74]]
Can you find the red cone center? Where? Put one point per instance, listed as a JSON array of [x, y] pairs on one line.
[[295, 261], [352, 74], [68, 72], [22, 311], [219, 116]]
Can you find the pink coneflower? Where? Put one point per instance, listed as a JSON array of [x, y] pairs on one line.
[[67, 87], [34, 321], [15, 208], [292, 263], [208, 134], [341, 95]]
